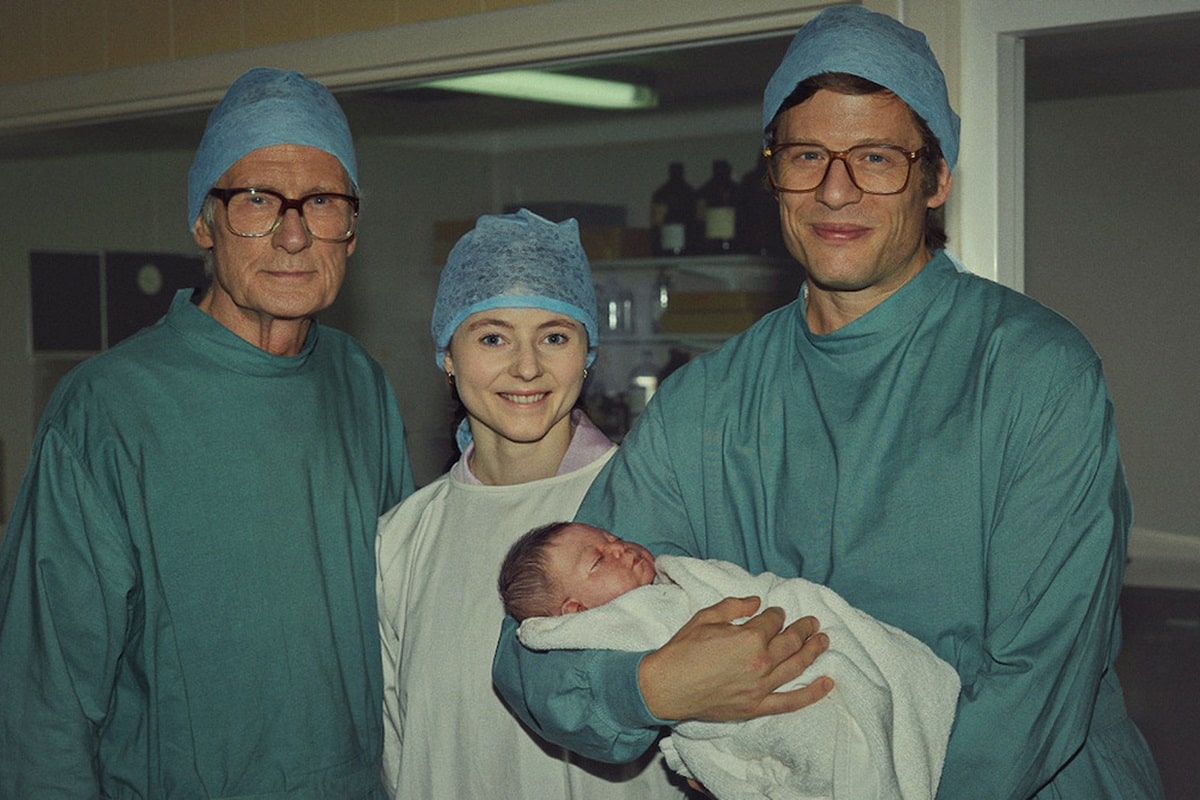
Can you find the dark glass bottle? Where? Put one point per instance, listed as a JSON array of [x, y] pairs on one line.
[[673, 214], [758, 214], [717, 210]]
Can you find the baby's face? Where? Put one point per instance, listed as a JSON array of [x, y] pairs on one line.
[[592, 566]]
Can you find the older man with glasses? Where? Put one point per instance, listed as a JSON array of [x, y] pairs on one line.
[[938, 449], [187, 587]]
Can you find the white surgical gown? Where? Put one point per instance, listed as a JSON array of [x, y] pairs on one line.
[[447, 734]]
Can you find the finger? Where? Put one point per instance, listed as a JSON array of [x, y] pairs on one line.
[[796, 636], [729, 609], [796, 699], [792, 661], [792, 639], [805, 627], [769, 621]]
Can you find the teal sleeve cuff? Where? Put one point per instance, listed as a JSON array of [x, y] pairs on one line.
[[623, 693], [587, 701]]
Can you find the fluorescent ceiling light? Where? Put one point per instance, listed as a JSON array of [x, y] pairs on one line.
[[553, 87]]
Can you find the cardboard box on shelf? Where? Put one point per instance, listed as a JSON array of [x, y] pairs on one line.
[[726, 300], [601, 242], [716, 311], [706, 321], [446, 234], [607, 243], [635, 243]]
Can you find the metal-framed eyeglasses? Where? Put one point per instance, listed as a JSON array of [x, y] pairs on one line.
[[873, 168], [255, 213]]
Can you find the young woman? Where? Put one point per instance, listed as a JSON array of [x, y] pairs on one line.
[[514, 326]]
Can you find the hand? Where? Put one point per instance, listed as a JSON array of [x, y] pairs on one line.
[[715, 670]]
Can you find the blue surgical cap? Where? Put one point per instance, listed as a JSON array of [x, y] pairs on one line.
[[266, 107], [856, 41], [515, 260]]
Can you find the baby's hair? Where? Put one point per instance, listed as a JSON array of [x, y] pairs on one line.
[[525, 585]]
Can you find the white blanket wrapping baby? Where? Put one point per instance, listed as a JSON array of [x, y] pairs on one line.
[[881, 733]]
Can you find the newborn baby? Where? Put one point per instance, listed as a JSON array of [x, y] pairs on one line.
[[881, 732]]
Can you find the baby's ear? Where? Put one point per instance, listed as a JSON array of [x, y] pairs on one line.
[[572, 606]]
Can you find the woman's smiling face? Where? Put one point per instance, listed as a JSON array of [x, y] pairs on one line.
[[518, 371]]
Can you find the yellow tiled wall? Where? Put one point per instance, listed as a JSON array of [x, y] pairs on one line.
[[52, 38]]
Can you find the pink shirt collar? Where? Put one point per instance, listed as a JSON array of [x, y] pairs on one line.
[[587, 444]]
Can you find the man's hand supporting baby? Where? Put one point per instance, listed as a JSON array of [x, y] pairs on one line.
[[713, 669]]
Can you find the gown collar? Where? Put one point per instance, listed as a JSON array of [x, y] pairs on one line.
[[214, 340], [890, 319], [587, 444]]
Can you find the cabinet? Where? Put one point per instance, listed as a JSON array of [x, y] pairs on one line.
[[83, 303], [657, 313]]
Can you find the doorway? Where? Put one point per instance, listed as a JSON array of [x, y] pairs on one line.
[[1110, 237]]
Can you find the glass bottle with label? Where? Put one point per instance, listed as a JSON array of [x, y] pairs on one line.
[[717, 210], [672, 214]]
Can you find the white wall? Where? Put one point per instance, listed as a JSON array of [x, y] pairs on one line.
[[1113, 242]]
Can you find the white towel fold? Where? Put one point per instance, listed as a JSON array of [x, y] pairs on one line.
[[881, 733]]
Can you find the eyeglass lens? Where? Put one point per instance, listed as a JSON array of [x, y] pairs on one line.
[[256, 212], [875, 169]]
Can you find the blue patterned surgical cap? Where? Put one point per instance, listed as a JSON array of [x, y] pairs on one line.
[[856, 41], [515, 260], [266, 107]]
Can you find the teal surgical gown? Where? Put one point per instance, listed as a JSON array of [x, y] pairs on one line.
[[187, 583], [947, 463]]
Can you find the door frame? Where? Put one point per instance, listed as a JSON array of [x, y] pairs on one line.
[[990, 182]]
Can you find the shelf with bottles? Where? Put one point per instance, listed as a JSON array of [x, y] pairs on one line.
[[723, 216], [657, 313], [717, 264], [672, 299]]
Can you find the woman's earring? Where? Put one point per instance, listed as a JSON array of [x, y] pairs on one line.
[[585, 373], [449, 378]]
